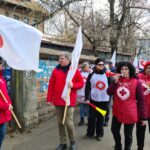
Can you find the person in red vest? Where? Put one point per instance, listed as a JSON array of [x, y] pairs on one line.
[[128, 101], [144, 77], [56, 86], [5, 114]]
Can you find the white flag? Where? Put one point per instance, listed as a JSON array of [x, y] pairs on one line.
[[74, 63], [135, 62], [113, 58], [19, 44]]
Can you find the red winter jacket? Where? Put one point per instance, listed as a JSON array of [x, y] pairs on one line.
[[56, 85], [5, 114], [145, 79]]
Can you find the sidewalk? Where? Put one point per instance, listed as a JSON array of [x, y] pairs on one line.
[[45, 137]]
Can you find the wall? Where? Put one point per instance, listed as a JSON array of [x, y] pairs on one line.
[[42, 79], [30, 91]]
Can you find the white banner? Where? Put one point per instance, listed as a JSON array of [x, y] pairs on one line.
[[19, 44], [113, 58], [74, 63]]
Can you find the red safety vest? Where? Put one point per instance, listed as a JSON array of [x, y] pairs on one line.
[[125, 107], [146, 87]]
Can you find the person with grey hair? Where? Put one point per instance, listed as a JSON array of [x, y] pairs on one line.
[[85, 70], [56, 86]]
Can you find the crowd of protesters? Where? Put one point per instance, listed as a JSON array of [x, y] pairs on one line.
[[129, 93], [101, 86]]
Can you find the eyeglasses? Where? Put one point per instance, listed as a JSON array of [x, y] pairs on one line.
[[100, 64]]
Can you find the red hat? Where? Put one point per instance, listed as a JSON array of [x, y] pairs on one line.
[[146, 64]]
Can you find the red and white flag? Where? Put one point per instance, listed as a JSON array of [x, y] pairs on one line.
[[74, 64], [19, 44]]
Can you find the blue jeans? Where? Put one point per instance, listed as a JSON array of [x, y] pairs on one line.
[[2, 133], [84, 110]]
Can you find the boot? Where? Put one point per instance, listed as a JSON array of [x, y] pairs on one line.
[[62, 147], [73, 145], [81, 122]]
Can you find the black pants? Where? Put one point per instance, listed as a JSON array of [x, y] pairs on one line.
[[115, 128], [140, 134], [96, 120], [108, 109], [149, 124]]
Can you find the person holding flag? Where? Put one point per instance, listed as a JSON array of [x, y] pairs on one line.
[[56, 86], [5, 108]]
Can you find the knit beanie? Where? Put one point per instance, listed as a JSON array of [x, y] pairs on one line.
[[147, 64]]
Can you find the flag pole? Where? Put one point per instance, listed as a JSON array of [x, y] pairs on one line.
[[74, 62], [11, 110], [65, 111]]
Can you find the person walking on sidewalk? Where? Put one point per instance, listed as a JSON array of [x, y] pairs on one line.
[[144, 77], [128, 101], [56, 85], [84, 108], [5, 114], [96, 93]]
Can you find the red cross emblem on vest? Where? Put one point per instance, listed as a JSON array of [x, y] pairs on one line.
[[100, 85], [1, 41], [123, 93]]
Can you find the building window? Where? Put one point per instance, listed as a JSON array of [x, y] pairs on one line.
[[16, 17], [6, 14], [26, 20]]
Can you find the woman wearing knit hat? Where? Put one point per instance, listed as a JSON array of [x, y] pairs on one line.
[[144, 77]]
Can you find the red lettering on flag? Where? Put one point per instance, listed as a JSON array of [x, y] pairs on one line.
[[1, 41]]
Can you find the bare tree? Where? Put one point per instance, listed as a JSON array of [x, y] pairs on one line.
[[123, 19], [93, 24], [53, 7], [115, 27]]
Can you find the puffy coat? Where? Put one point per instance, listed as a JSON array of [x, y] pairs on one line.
[[56, 85], [5, 114], [146, 87]]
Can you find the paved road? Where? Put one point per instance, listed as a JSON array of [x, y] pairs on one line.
[[45, 137]]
